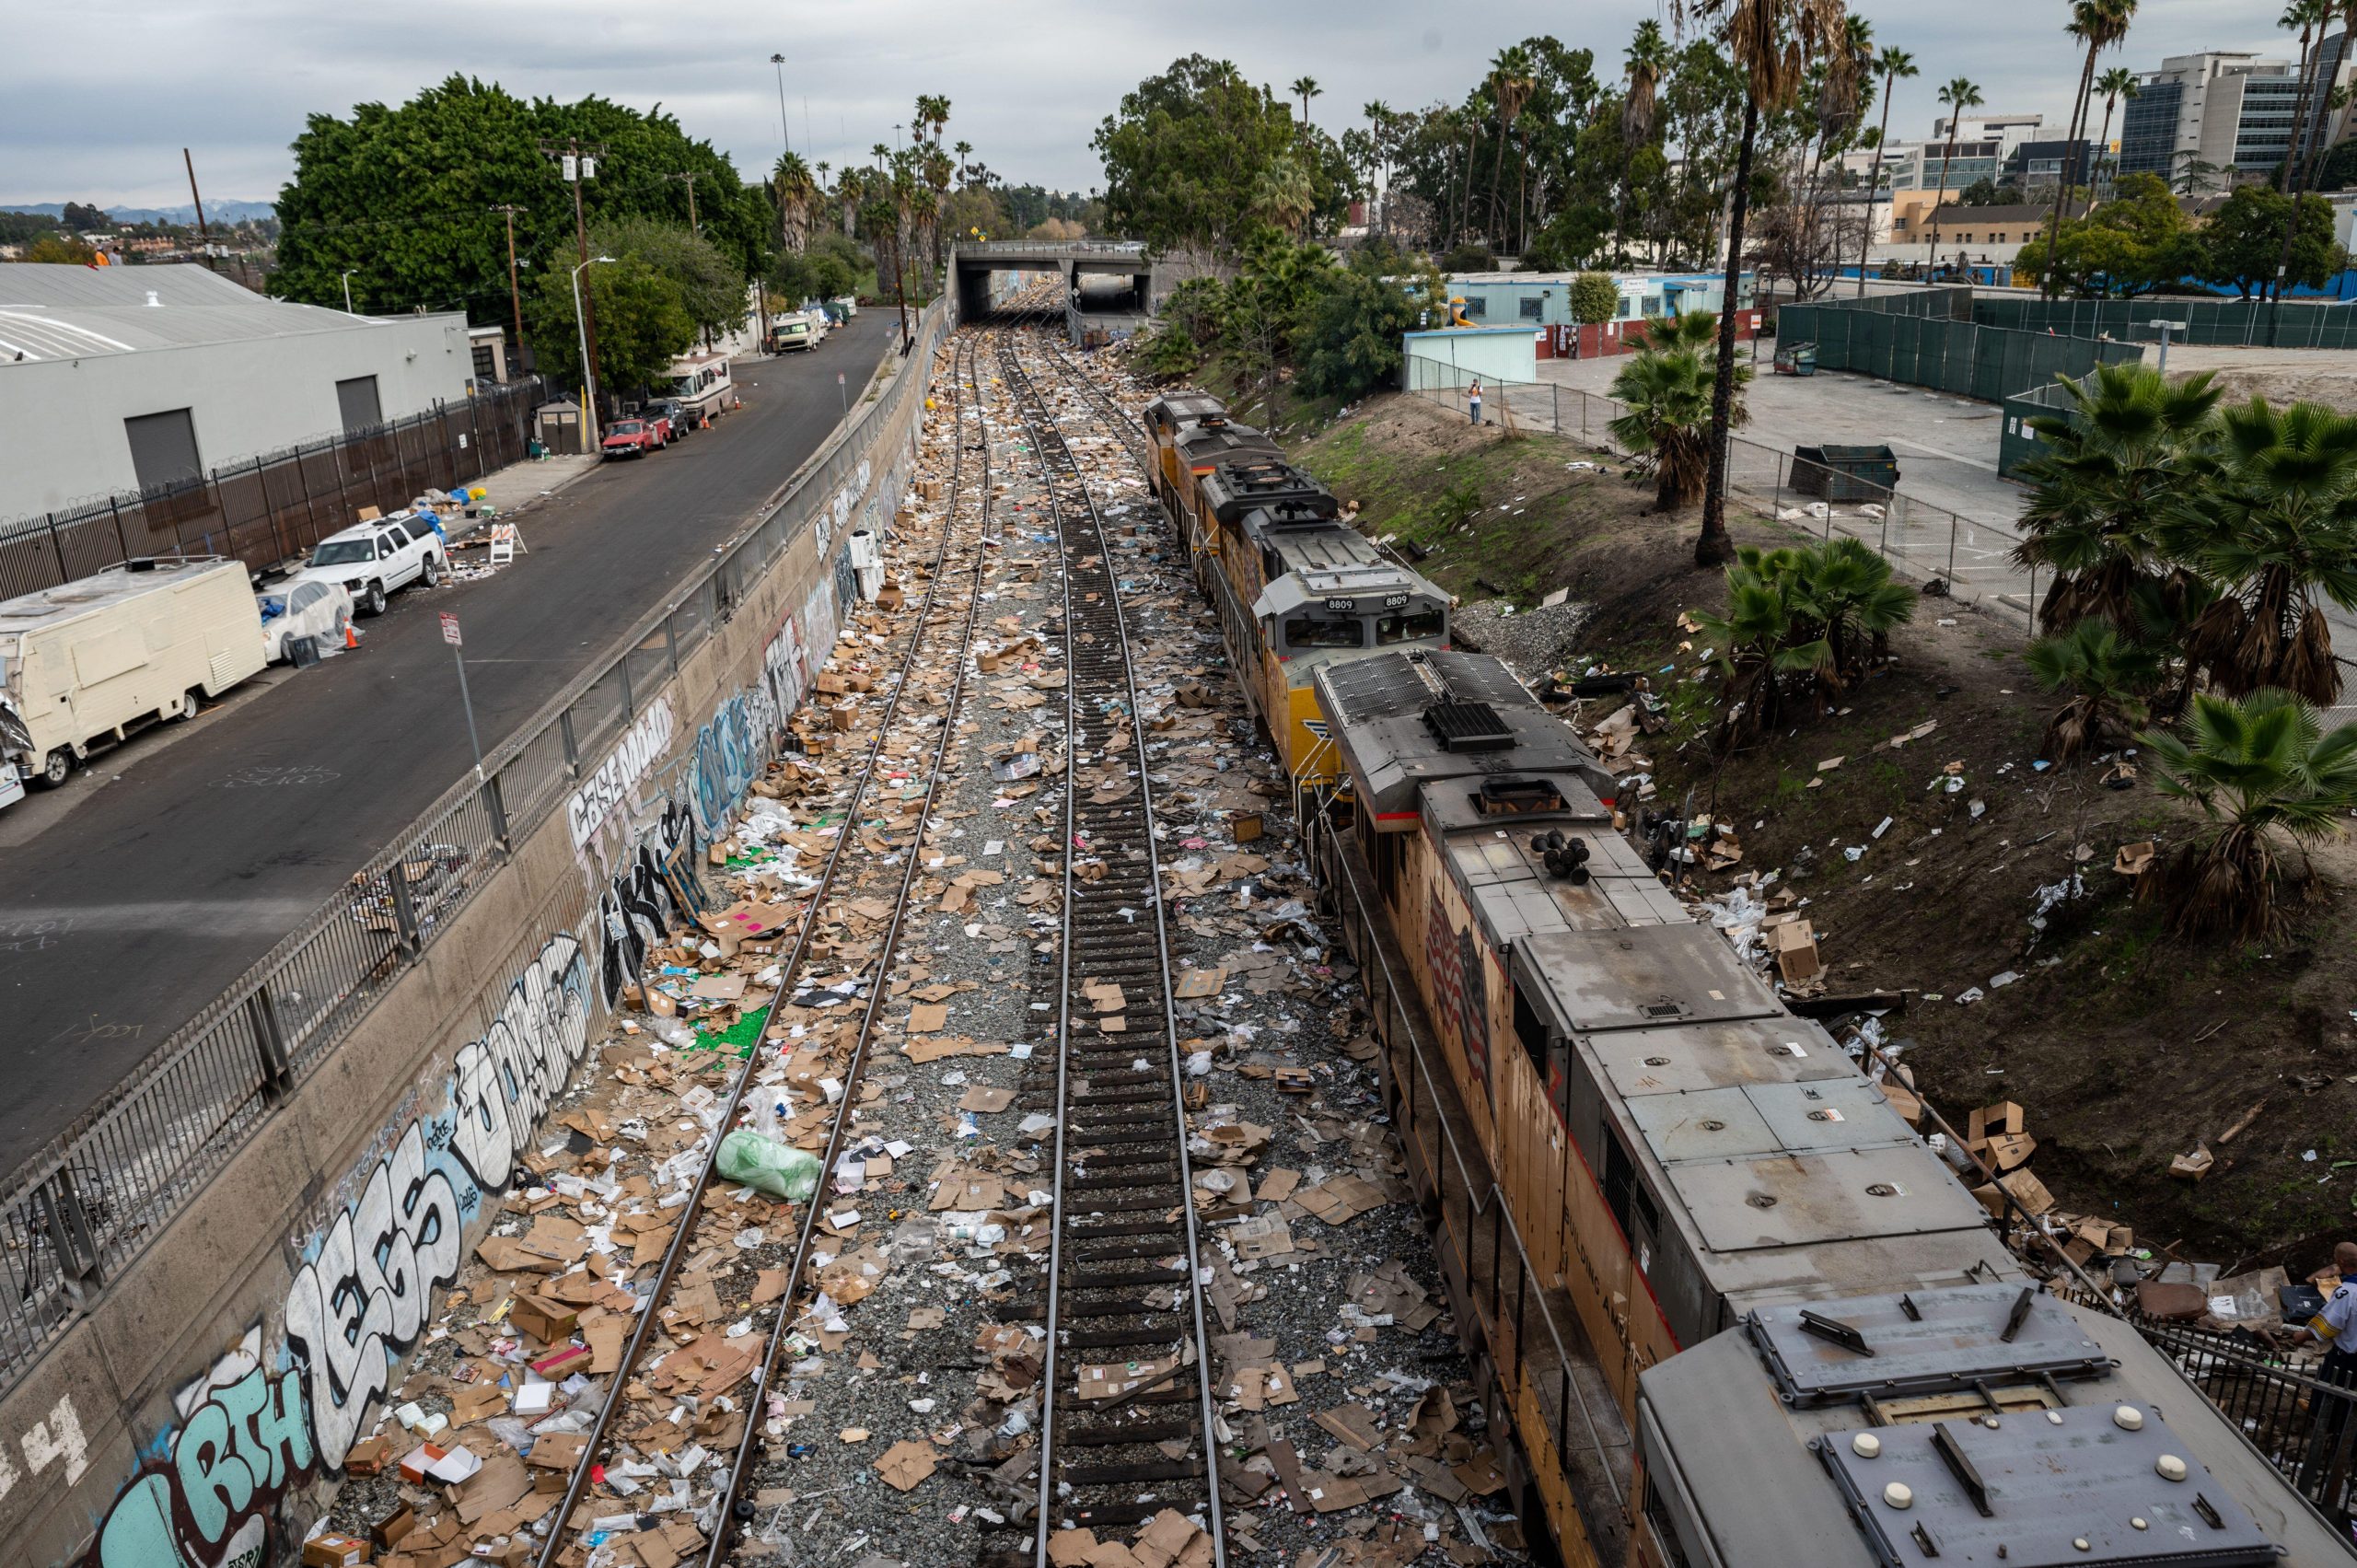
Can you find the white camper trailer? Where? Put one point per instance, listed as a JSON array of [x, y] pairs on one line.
[[85, 664]]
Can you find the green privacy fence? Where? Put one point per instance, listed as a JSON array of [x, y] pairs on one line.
[[2297, 325], [1928, 338], [2016, 442]]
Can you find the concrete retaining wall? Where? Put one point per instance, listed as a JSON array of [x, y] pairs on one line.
[[201, 1407]]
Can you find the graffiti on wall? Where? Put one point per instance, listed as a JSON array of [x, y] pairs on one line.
[[608, 789], [207, 1496], [364, 1291], [655, 888]]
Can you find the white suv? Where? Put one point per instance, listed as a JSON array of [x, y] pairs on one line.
[[371, 561]]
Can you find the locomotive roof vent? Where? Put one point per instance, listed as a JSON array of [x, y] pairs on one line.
[[1460, 725]]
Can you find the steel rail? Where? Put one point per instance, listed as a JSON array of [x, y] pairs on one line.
[[717, 1540], [1049, 445], [667, 1275]]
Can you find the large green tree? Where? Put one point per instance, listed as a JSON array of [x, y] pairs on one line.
[[641, 321], [1187, 154], [711, 289], [1350, 336], [2139, 241], [2242, 240], [402, 197]]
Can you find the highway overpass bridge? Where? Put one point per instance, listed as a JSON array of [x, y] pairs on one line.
[[972, 264]]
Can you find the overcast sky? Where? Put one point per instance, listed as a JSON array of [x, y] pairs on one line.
[[104, 94]]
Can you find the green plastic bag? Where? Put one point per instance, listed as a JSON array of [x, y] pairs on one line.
[[747, 1157]]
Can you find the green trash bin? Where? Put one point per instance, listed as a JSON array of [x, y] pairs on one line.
[[1845, 473]]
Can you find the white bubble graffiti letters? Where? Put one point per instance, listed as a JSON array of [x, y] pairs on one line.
[[368, 1292], [604, 792], [506, 1079]]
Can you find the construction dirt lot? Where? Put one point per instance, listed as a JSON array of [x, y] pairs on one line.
[[1931, 846]]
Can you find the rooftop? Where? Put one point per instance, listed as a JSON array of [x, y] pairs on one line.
[[58, 311]]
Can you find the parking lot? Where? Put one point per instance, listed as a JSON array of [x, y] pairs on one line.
[[1946, 446]]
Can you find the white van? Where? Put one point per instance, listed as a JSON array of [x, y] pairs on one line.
[[85, 664]]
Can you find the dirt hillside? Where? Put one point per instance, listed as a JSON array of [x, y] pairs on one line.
[[2125, 1048]]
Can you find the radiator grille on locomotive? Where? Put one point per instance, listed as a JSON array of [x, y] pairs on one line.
[[1468, 726]]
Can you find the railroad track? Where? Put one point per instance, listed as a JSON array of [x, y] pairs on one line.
[[943, 629], [1121, 1290]]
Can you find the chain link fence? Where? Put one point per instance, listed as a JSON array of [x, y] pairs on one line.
[[74, 1215], [1922, 540], [271, 507], [2249, 323]]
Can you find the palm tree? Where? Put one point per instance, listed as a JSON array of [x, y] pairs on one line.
[[1958, 95], [2116, 84], [2107, 676], [1821, 610], [850, 191], [879, 152], [1892, 65], [2311, 17], [964, 150], [1511, 81], [1772, 43], [1305, 88], [1666, 387], [2276, 528], [932, 111], [2261, 768], [1282, 195], [2130, 442], [1648, 61], [791, 179], [2100, 24]]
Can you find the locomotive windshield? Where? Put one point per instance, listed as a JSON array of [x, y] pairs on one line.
[[1410, 625], [1324, 631]]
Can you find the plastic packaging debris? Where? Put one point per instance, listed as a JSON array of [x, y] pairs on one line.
[[747, 1157]]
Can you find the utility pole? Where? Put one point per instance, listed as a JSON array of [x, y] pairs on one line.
[[203, 237], [579, 162], [690, 181], [514, 293]]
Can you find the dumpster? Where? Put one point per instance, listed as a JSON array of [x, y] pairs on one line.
[[1796, 359], [1845, 473]]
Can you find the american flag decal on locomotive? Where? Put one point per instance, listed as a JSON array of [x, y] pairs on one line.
[[1455, 965]]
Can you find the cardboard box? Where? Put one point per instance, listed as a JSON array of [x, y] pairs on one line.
[[1246, 826], [1793, 943], [370, 1456], [332, 1551], [559, 1365], [2003, 1116], [393, 1525], [551, 1322]]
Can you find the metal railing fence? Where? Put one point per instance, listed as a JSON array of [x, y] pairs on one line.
[[2303, 1426], [1540, 1350], [1921, 539], [75, 1215], [275, 505]]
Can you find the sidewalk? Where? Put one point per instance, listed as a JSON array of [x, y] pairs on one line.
[[518, 487]]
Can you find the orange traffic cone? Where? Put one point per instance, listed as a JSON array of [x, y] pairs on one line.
[[351, 638]]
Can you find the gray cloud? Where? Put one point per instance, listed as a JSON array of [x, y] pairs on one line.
[[104, 95]]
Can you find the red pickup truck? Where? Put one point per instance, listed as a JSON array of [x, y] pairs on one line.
[[636, 437]]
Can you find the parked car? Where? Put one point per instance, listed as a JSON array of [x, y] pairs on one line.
[[630, 438], [87, 664], [292, 610], [374, 560], [674, 413]]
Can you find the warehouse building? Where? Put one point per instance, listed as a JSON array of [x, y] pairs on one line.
[[146, 378]]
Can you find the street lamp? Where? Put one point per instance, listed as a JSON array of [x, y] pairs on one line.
[[588, 371], [779, 60], [347, 291]]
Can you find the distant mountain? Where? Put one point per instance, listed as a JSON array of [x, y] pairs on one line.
[[225, 211]]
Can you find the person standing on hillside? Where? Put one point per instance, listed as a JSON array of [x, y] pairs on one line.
[[1473, 401]]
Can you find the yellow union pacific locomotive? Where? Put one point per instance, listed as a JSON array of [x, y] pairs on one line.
[[1296, 588], [1734, 1310]]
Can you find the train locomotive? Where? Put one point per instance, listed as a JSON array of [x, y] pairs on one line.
[[1734, 1310], [1296, 588]]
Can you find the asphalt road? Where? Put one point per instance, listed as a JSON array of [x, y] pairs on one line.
[[173, 871]]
